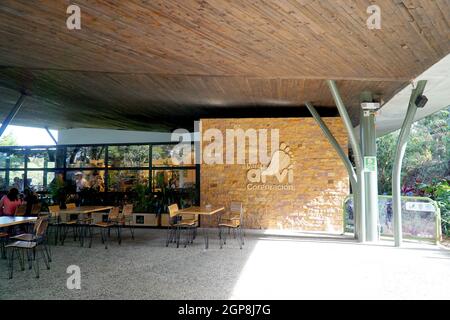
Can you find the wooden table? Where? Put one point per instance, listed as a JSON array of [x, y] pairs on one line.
[[7, 221], [203, 211], [85, 209]]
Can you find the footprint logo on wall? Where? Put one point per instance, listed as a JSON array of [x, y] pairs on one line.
[[281, 164]]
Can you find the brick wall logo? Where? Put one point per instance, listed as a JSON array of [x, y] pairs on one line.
[[278, 174]]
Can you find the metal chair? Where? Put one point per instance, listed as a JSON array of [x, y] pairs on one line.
[[4, 236], [35, 209], [105, 227], [176, 225], [232, 222], [54, 222], [35, 237], [127, 218], [21, 210], [32, 249], [67, 223]]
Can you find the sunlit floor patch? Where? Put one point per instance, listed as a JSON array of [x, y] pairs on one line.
[[333, 269]]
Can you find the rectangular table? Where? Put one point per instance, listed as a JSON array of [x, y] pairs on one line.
[[7, 221], [202, 211], [85, 209]]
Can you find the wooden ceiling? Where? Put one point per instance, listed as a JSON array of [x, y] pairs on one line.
[[161, 64]]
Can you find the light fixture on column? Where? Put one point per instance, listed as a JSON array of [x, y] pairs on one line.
[[421, 101]]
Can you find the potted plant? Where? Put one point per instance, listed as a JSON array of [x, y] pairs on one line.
[[58, 190], [143, 209]]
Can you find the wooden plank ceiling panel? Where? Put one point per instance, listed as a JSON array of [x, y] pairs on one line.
[[162, 63]]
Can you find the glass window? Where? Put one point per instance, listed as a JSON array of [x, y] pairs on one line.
[[3, 157], [50, 178], [16, 179], [164, 155], [16, 158], [128, 156], [35, 180], [173, 179], [83, 157], [93, 179], [126, 180], [3, 184], [41, 158]]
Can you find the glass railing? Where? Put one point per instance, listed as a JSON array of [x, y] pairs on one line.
[[421, 217]]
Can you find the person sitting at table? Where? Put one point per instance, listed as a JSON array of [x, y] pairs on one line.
[[10, 202]]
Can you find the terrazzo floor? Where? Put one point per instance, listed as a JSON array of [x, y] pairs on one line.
[[268, 267]]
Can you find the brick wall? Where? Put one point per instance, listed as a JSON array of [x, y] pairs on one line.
[[307, 196]]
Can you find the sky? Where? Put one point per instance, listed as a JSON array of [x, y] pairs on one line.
[[28, 136]]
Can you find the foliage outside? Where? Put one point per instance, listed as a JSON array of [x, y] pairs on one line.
[[426, 165]]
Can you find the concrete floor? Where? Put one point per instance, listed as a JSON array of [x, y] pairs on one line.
[[269, 267]]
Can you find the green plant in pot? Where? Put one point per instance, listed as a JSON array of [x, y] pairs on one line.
[[58, 190], [142, 200]]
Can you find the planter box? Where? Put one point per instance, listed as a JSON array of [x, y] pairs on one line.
[[99, 216], [145, 219], [139, 219]]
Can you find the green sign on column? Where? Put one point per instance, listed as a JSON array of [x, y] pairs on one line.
[[370, 164]]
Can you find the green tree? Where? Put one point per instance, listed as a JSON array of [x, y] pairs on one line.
[[8, 140], [427, 155]]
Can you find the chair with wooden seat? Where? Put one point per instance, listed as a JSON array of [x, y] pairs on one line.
[[127, 218], [32, 248], [190, 217], [21, 210], [232, 221], [68, 222], [35, 237], [106, 226], [177, 224], [35, 209], [4, 236], [54, 222]]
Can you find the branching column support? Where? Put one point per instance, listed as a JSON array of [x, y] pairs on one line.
[[400, 152], [359, 192], [10, 117], [52, 137], [326, 131]]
